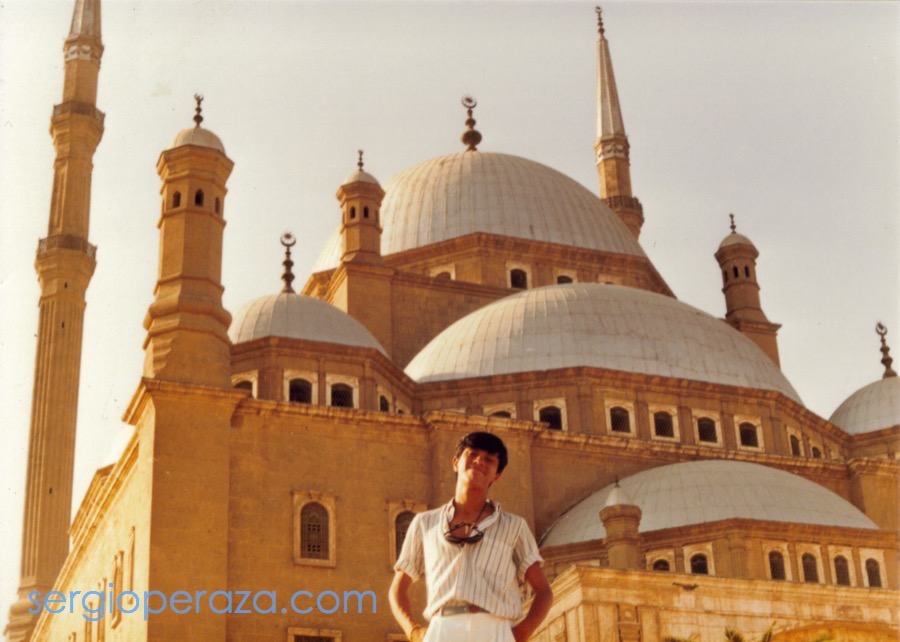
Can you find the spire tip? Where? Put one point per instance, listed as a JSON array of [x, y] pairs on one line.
[[288, 240], [886, 359], [471, 137]]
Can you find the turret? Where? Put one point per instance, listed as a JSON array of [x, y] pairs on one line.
[[611, 148], [621, 519], [187, 326], [65, 263], [360, 197], [737, 259]]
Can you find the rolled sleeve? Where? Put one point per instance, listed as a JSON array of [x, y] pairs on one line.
[[525, 549]]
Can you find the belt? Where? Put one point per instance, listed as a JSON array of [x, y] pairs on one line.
[[460, 609]]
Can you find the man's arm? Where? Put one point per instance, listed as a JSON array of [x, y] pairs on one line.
[[540, 605], [400, 607]]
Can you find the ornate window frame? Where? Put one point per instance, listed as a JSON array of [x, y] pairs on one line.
[[252, 376], [608, 405], [558, 402], [757, 423], [308, 375], [332, 380], [672, 411], [301, 498], [394, 509], [716, 418]]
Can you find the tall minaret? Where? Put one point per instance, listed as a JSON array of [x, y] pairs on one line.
[[65, 263], [612, 147]]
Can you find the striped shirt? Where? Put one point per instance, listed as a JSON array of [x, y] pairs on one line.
[[485, 574]]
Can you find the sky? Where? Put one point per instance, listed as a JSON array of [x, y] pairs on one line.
[[785, 114]]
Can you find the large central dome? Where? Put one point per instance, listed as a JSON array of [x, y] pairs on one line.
[[601, 326], [452, 196]]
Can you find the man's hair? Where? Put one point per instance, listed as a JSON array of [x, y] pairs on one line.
[[487, 442]]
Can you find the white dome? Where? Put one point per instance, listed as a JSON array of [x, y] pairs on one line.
[[601, 326], [870, 408], [295, 316], [736, 239], [199, 137], [700, 492], [452, 196], [360, 176]]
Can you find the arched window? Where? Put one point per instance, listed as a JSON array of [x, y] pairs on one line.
[[314, 532], [749, 436], [300, 391], [795, 446], [661, 565], [663, 425], [383, 404], [443, 276], [352, 212], [563, 278], [366, 212], [816, 453], [518, 279], [503, 414], [218, 205], [699, 565], [776, 565], [198, 198], [243, 384], [342, 395], [706, 430], [736, 273], [619, 419], [401, 526], [176, 199], [747, 271], [873, 572], [841, 571], [552, 416], [810, 569]]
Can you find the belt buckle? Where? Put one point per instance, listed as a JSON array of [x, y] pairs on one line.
[[459, 609]]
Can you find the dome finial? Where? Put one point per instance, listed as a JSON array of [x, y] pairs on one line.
[[198, 118], [471, 137], [599, 20], [885, 352], [733, 226], [288, 240], [359, 163]]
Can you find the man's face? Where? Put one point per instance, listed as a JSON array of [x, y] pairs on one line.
[[477, 467]]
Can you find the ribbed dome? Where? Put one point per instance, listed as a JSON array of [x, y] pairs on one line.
[[299, 317], [700, 492], [601, 326], [460, 194], [870, 408], [199, 137]]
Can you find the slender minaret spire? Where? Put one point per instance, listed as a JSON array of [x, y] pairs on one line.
[[288, 240], [65, 262], [612, 147], [737, 259], [471, 137], [886, 360]]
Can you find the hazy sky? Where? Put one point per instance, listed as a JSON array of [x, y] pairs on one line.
[[785, 114]]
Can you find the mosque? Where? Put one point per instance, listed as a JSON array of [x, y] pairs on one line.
[[676, 483]]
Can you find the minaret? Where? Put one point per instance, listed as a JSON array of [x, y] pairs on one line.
[[612, 147], [187, 327], [621, 519], [737, 259], [360, 196], [65, 263]]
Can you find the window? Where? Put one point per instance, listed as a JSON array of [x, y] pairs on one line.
[[314, 532], [366, 212], [313, 635], [564, 278], [300, 391], [383, 404], [841, 571], [706, 430], [873, 573], [661, 565], [401, 526], [776, 565], [810, 569], [352, 212], [748, 435], [198, 198], [443, 276], [725, 276], [816, 453], [503, 414], [551, 415], [218, 205], [342, 395], [736, 273], [243, 384], [518, 279], [619, 419], [176, 199], [663, 425], [502, 410], [795, 446], [699, 565]]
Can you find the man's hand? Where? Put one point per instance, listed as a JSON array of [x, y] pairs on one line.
[[418, 633]]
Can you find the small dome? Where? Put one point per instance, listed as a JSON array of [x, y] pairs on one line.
[[870, 408], [294, 316], [700, 492], [736, 239], [456, 195], [199, 137], [360, 176], [601, 326]]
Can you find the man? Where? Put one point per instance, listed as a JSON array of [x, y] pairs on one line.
[[471, 554]]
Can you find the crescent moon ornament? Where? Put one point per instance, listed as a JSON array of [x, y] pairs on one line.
[[288, 239], [469, 103]]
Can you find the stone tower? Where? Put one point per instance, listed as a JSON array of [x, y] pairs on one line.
[[360, 197], [611, 148], [737, 259], [65, 263]]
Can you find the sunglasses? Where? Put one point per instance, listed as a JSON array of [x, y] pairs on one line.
[[475, 535]]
